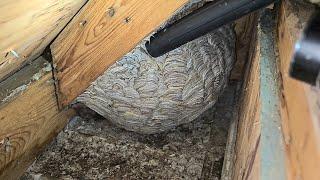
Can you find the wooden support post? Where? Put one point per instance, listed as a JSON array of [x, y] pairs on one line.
[[28, 26], [284, 113], [300, 111], [247, 151], [100, 34], [245, 29], [259, 148], [29, 117]]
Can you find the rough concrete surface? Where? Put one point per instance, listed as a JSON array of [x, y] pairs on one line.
[[90, 147]]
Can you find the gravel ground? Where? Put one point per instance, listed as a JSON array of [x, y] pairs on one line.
[[90, 147]]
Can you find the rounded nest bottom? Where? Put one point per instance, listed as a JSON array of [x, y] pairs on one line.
[[150, 95]]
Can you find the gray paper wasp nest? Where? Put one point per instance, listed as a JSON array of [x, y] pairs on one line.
[[150, 95]]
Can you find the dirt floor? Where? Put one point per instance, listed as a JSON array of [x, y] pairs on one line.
[[92, 148]]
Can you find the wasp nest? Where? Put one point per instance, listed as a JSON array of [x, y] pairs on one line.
[[150, 95]]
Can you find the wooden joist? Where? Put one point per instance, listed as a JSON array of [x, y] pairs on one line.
[[28, 26], [244, 28], [300, 111], [259, 148], [247, 153], [29, 117], [100, 34]]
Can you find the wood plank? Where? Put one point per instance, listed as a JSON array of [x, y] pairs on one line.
[[246, 43], [244, 28], [300, 103], [272, 145], [229, 155], [260, 149], [28, 26], [100, 34], [29, 117], [247, 151]]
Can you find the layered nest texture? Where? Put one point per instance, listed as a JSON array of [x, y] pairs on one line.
[[150, 95]]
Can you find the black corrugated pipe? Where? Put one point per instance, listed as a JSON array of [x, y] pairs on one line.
[[201, 22]]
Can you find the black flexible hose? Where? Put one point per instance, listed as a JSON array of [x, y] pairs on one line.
[[201, 22]]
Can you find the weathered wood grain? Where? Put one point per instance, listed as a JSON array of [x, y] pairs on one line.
[[300, 109], [100, 34], [244, 153], [260, 149], [247, 150], [28, 26], [29, 117], [272, 152], [244, 28]]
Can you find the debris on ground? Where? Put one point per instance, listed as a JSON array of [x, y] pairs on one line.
[[90, 147]]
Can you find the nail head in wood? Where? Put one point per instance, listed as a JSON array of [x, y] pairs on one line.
[[83, 23], [111, 11]]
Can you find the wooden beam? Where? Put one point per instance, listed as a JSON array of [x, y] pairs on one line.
[[100, 34], [29, 117], [247, 153], [260, 149], [300, 111], [272, 145], [28, 26], [244, 28]]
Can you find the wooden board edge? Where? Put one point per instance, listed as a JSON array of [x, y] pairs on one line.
[[300, 125], [28, 121], [73, 74]]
